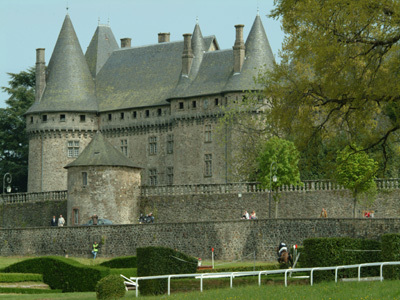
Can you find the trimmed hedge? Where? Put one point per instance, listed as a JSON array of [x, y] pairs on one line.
[[110, 287], [62, 273], [132, 272], [161, 261], [20, 277], [325, 252], [241, 269], [121, 262], [4, 290], [391, 252]]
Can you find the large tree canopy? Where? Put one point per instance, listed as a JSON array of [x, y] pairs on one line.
[[13, 138], [338, 79]]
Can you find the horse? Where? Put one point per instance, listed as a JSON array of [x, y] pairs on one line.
[[285, 258]]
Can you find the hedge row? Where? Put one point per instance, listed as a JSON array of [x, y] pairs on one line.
[[391, 252], [324, 252], [241, 269], [132, 272], [18, 277], [62, 273], [121, 262], [160, 261], [4, 290]]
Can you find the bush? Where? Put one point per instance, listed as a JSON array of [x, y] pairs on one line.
[[160, 261], [62, 273], [110, 287], [20, 277], [326, 252], [121, 262], [132, 272], [391, 252]]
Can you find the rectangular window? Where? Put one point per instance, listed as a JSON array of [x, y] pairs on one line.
[[84, 178], [170, 175], [208, 165], [159, 112], [122, 116], [62, 118], [134, 114], [73, 148], [147, 113], [124, 147], [109, 117], [31, 119], [207, 133], [75, 217], [44, 118], [170, 144], [216, 102], [180, 105], [152, 145], [194, 104], [82, 118], [153, 177]]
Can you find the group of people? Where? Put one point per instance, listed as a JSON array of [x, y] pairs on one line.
[[146, 219], [60, 222], [246, 215]]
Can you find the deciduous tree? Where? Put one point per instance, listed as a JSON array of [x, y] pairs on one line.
[[13, 138]]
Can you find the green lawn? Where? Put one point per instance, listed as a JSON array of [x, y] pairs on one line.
[[350, 290]]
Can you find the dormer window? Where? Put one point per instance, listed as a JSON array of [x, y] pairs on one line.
[[82, 118]]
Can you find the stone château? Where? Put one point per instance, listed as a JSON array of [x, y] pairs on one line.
[[157, 104]]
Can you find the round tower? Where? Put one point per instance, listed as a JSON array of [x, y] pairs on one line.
[[63, 118]]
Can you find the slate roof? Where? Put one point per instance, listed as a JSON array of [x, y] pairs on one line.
[[145, 76], [100, 152], [69, 84], [101, 46]]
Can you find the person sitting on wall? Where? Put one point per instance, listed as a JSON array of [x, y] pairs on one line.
[[245, 215], [253, 215], [95, 249], [150, 218], [323, 214]]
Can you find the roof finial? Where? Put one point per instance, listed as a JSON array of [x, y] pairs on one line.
[[98, 21], [108, 21], [67, 8], [258, 9], [197, 19]]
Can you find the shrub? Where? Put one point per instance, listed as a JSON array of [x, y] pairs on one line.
[[20, 277], [62, 273], [121, 262], [110, 287], [131, 272], [324, 252], [160, 261], [391, 252]]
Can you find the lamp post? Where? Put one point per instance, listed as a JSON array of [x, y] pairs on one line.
[[7, 178], [274, 179]]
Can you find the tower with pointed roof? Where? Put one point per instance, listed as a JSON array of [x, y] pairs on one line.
[[157, 104]]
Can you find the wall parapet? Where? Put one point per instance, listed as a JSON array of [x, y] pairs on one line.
[[34, 197], [255, 187], [205, 189]]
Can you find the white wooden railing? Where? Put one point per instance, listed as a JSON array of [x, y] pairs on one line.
[[135, 280]]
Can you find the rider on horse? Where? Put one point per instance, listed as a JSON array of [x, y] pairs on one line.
[[282, 247]]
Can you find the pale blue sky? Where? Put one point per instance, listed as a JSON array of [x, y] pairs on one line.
[[29, 24]]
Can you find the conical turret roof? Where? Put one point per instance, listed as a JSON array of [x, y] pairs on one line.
[[259, 58], [101, 46], [100, 152], [69, 84]]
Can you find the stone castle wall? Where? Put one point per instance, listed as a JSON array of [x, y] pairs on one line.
[[238, 239]]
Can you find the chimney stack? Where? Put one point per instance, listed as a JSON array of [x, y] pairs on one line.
[[40, 73], [126, 42], [187, 55], [238, 49], [163, 37]]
